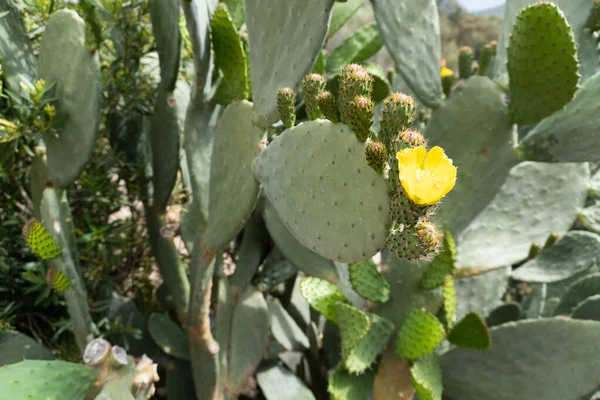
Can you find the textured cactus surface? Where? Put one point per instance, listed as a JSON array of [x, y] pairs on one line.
[[323, 297], [40, 241], [233, 189], [368, 282], [16, 346], [580, 290], [419, 335], [346, 386], [369, 347], [285, 42], [427, 378], [491, 374], [542, 80], [344, 201], [65, 61], [402, 24], [169, 336], [38, 380], [278, 382], [165, 26], [575, 252], [588, 309], [470, 333]]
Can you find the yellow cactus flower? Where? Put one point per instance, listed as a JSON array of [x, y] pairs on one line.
[[446, 72], [425, 176]]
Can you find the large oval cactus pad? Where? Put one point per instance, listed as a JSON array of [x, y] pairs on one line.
[[233, 191], [317, 178], [65, 62], [285, 42]]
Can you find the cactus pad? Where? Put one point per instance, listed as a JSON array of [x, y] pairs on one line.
[[358, 47], [16, 346], [588, 309], [354, 325], [368, 282], [574, 253], [322, 296], [168, 336], [284, 328], [233, 189], [441, 266], [523, 212], [286, 42], [229, 57], [410, 31], [40, 380], [65, 61], [366, 351], [507, 312], [540, 349], [318, 181], [449, 301], [346, 386], [427, 378], [419, 335], [165, 27], [580, 290], [471, 333], [279, 383], [40, 241], [542, 63], [552, 139]]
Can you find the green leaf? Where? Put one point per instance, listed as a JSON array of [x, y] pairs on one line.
[[471, 333], [358, 47], [342, 12], [322, 296], [420, 334]]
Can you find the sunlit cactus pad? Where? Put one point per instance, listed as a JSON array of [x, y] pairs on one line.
[[317, 178]]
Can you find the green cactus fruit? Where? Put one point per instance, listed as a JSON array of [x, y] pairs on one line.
[[322, 296], [427, 378], [593, 21], [484, 60], [230, 57], [328, 106], [397, 115], [344, 385], [542, 63], [360, 116], [494, 46], [420, 334], [40, 380], [364, 354], [447, 83], [354, 325], [403, 211], [312, 86], [465, 62], [376, 155], [471, 332], [449, 301], [57, 280], [40, 241], [354, 81], [441, 266], [368, 282], [286, 105], [415, 242]]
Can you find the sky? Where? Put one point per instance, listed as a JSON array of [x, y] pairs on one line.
[[477, 5]]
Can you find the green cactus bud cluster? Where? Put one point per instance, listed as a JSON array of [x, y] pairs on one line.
[[328, 106], [376, 155], [397, 115], [420, 334], [286, 105], [465, 62], [485, 59], [354, 81], [312, 86], [360, 116], [40, 241], [593, 21]]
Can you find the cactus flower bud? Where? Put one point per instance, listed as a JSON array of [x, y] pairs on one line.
[[465, 62], [397, 114], [484, 59], [360, 117], [354, 81], [312, 85], [376, 155], [328, 106], [286, 105]]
